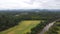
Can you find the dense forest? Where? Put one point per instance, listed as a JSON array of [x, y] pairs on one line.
[[12, 18]]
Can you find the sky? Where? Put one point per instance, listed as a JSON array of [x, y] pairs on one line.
[[29, 4]]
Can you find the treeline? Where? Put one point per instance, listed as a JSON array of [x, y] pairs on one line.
[[7, 21]]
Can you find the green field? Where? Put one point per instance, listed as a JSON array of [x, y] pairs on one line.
[[23, 27]]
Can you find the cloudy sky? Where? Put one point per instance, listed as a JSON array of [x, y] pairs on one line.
[[29, 4]]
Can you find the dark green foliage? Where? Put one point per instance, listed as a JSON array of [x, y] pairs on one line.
[[7, 21]]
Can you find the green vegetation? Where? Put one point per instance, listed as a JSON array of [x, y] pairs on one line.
[[22, 28], [55, 29], [16, 22]]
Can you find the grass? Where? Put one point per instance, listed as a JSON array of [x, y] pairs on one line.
[[22, 28]]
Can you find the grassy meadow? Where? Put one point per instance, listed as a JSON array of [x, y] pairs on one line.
[[22, 28]]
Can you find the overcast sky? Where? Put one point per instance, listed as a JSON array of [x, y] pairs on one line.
[[29, 4]]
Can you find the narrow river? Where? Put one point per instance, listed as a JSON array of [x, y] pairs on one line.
[[46, 28]]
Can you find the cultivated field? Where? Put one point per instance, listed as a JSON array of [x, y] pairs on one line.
[[23, 27]]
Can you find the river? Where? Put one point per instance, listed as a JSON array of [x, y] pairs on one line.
[[46, 28]]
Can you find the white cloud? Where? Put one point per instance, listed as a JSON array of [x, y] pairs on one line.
[[25, 4], [52, 4], [16, 4]]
